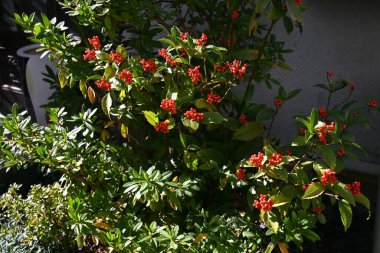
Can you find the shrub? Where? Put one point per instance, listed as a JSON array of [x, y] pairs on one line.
[[165, 156]]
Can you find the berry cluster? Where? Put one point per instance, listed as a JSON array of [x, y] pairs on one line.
[[194, 115], [203, 40], [168, 104], [243, 119], [235, 14], [317, 210], [184, 36], [278, 103], [354, 188], [116, 57], [330, 74], [263, 203], [341, 152], [257, 160], [164, 54], [103, 84], [275, 159], [325, 130], [149, 65], [95, 42], [220, 68], [162, 127], [126, 76], [372, 103], [236, 70], [328, 176], [213, 98], [240, 173], [195, 74], [89, 55], [323, 112]]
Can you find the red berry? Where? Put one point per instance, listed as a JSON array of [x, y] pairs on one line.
[[116, 57], [162, 127], [240, 174], [236, 70], [243, 119], [89, 55], [323, 112], [195, 74], [328, 176], [149, 66], [126, 76], [194, 115], [372, 103], [263, 203], [95, 42], [213, 98], [275, 159], [184, 35], [257, 160], [341, 152], [278, 103], [168, 104], [103, 84], [203, 40], [330, 74], [235, 14], [354, 188]]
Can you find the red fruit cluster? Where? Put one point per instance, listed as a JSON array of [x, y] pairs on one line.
[[328, 176], [184, 36], [164, 53], [275, 159], [352, 87], [89, 55], [95, 42], [330, 74], [257, 160], [213, 98], [263, 203], [126, 76], [344, 126], [341, 152], [243, 119], [220, 68], [354, 188], [168, 104], [203, 40], [103, 84], [302, 131], [149, 65], [317, 210], [195, 74], [162, 127], [289, 152], [240, 173], [372, 103], [235, 14], [194, 115], [116, 57], [325, 130], [236, 70], [323, 112], [278, 103]]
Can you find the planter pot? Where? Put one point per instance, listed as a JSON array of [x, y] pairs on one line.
[[39, 91]]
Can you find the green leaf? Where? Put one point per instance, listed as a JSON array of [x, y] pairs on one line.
[[275, 13], [106, 104], [309, 234], [313, 119], [329, 156], [190, 124], [343, 191], [270, 220], [288, 24], [213, 118], [190, 160], [284, 65], [103, 56], [345, 213], [265, 114], [202, 104], [280, 200], [276, 172], [248, 55], [248, 132], [293, 93], [62, 79], [314, 190], [151, 117], [362, 199]]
